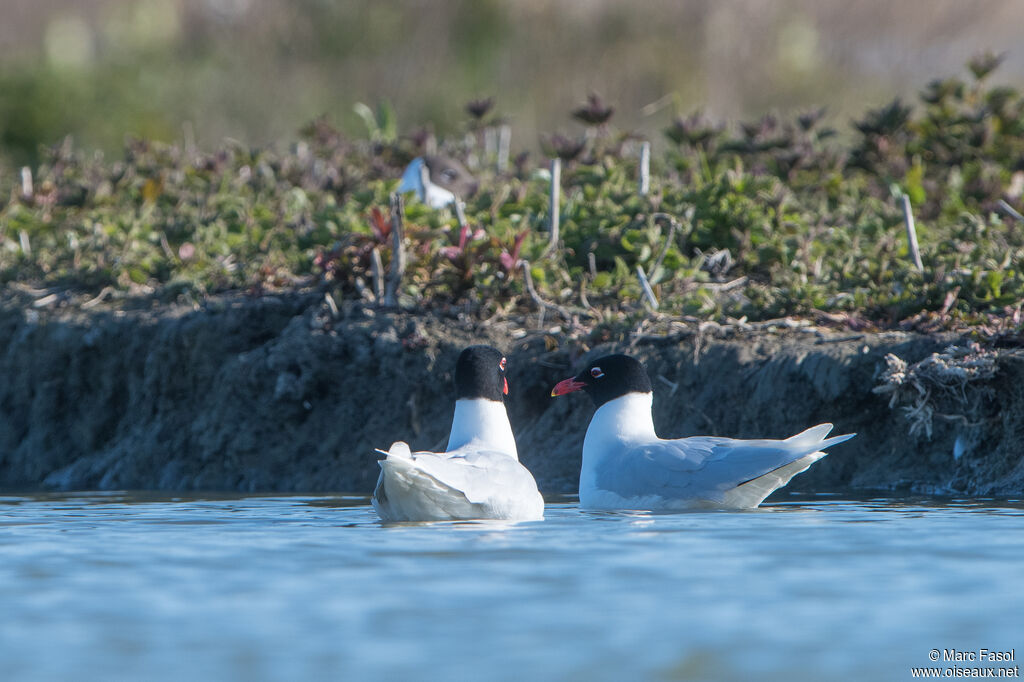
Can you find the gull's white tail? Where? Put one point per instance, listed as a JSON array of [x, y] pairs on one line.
[[398, 449], [806, 447], [814, 438], [405, 491], [463, 484]]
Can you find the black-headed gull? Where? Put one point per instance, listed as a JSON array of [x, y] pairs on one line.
[[626, 465], [479, 475], [438, 180]]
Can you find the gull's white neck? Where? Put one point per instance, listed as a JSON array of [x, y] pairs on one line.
[[621, 422], [484, 424], [627, 419], [436, 196]]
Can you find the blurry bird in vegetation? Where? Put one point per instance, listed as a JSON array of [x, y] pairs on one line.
[[438, 180]]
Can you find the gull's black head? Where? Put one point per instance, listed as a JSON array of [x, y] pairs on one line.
[[607, 378], [480, 373]]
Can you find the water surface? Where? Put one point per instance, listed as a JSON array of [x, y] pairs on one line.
[[142, 587]]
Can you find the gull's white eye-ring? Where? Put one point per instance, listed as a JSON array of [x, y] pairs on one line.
[[596, 373]]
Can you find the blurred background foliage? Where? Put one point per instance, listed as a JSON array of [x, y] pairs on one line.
[[177, 149], [258, 70]]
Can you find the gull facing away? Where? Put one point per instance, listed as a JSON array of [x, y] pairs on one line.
[[479, 475], [438, 180], [626, 465]]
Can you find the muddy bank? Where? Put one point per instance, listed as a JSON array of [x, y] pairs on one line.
[[284, 394]]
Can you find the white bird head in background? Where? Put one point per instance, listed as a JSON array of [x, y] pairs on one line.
[[437, 180]]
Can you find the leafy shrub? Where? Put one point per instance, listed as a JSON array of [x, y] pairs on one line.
[[776, 218]]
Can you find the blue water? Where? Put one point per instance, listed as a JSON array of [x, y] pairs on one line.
[[136, 587]]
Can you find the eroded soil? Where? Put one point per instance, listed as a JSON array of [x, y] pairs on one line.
[[282, 394]]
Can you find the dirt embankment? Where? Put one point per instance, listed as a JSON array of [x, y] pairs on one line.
[[281, 394]]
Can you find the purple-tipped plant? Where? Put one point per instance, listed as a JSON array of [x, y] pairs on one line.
[[466, 234], [594, 113], [695, 130], [509, 261], [565, 148], [983, 64], [809, 119], [478, 108]]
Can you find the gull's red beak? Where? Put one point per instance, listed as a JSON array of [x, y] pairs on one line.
[[567, 386], [506, 384]]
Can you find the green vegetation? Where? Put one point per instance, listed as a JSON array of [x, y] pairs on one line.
[[780, 217]]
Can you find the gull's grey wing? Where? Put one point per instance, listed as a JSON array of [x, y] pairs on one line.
[[693, 468]]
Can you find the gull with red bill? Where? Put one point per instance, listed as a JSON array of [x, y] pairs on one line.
[[478, 476], [627, 466]]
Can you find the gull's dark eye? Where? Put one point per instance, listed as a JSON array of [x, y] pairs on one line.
[[448, 175], [501, 365], [596, 372]]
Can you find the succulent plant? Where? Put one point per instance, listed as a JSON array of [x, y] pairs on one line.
[[693, 130], [565, 148], [595, 112], [478, 108]]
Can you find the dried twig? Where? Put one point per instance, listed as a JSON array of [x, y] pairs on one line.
[[166, 247], [1010, 210], [377, 273], [504, 146], [673, 225], [26, 182], [583, 294], [397, 267], [32, 291], [331, 305], [671, 384], [105, 293], [553, 204], [908, 218], [490, 142], [646, 286], [46, 301], [541, 303], [725, 286], [645, 168]]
